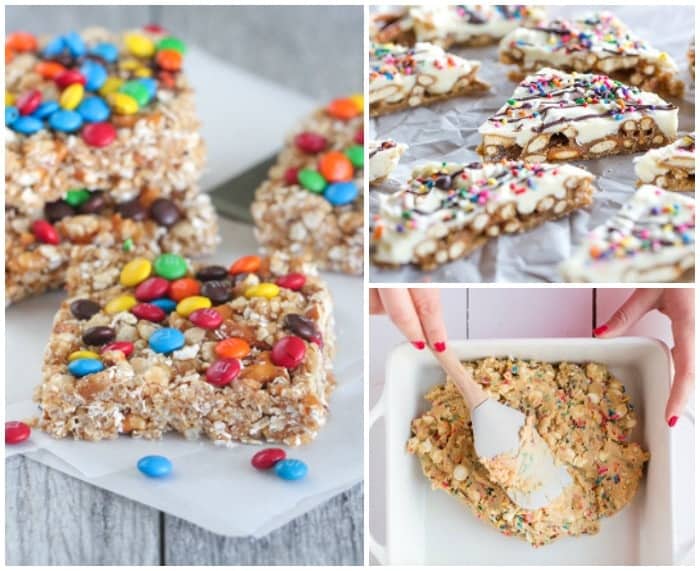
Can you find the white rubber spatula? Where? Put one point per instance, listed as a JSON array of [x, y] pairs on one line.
[[496, 429]]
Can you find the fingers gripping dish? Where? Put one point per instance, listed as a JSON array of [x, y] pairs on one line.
[[583, 414], [146, 345], [311, 205], [446, 210], [598, 43], [557, 116], [651, 239], [402, 77]]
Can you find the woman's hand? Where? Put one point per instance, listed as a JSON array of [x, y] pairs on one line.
[[679, 306], [416, 312]]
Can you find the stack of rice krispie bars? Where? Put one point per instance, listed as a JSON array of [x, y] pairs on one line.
[[102, 147]]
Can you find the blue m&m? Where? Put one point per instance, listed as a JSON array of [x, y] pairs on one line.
[[94, 110], [27, 125], [11, 115], [46, 109], [166, 340], [167, 305], [82, 367], [291, 469], [341, 193], [65, 121], [95, 74], [155, 466], [106, 51]]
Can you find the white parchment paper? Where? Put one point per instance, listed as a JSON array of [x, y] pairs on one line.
[[448, 131], [211, 486]]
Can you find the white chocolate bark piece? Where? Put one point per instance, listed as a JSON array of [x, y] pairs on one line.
[[445, 211], [599, 43], [402, 77], [383, 158], [456, 25], [671, 167], [554, 115], [651, 239], [469, 25]]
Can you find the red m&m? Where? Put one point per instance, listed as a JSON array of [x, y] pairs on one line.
[[222, 372], [99, 134], [311, 143], [149, 312], [288, 352], [152, 288], [126, 347], [292, 281], [206, 318], [266, 459], [16, 432], [45, 232]]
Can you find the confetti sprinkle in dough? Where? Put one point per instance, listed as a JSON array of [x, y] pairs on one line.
[[581, 411]]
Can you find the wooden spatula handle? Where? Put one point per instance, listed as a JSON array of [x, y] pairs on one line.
[[473, 394]]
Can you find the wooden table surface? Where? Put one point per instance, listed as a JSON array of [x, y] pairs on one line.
[[53, 519]]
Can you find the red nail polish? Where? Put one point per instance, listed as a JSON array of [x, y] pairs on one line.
[[672, 421], [440, 346], [420, 345], [600, 330]]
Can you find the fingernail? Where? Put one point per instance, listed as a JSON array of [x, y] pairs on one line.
[[420, 345], [672, 421], [440, 346], [600, 330]]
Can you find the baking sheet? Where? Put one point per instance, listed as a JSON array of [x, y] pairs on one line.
[[448, 131], [211, 486]]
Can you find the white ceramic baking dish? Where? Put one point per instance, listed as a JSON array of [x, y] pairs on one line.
[[431, 527]]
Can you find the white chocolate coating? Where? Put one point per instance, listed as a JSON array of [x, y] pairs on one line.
[[475, 192], [434, 23], [396, 70], [574, 101], [658, 162], [651, 239], [384, 157], [560, 43]]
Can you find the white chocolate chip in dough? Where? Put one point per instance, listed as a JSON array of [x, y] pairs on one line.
[[459, 473]]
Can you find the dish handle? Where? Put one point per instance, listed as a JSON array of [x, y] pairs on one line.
[[375, 414]]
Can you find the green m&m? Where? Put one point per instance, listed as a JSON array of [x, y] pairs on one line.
[[170, 266], [312, 180]]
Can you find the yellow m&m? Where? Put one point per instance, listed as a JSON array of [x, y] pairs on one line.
[[82, 354], [139, 45], [135, 272], [123, 104], [267, 290], [72, 96], [111, 85], [192, 303], [121, 303]]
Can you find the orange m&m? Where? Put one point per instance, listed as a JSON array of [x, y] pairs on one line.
[[335, 167], [232, 348], [184, 287], [246, 264], [344, 109]]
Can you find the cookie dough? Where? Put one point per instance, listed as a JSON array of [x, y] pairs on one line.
[[580, 410]]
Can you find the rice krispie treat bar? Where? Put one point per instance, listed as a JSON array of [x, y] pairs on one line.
[[557, 116], [144, 345], [38, 249], [98, 111], [102, 146], [384, 157], [446, 211], [402, 78], [651, 239], [312, 203], [447, 26], [597, 43], [671, 167], [584, 415]]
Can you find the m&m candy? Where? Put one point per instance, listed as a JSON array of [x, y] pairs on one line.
[[266, 459], [291, 469], [166, 340], [155, 466], [16, 432]]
